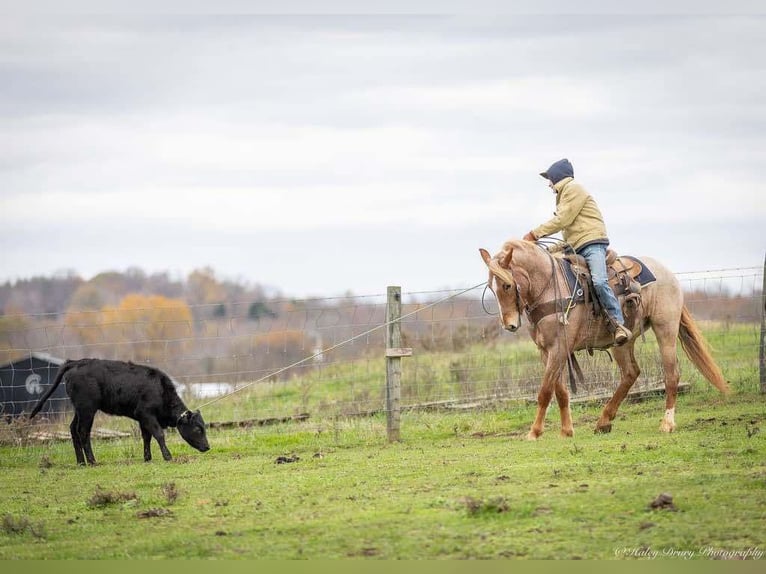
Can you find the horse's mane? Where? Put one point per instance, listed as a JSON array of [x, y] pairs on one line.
[[515, 245]]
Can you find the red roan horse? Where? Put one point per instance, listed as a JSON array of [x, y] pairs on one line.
[[524, 276]]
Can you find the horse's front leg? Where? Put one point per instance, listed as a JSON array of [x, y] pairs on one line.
[[562, 396], [629, 372], [551, 379]]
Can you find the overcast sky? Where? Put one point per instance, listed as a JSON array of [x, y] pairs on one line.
[[325, 154]]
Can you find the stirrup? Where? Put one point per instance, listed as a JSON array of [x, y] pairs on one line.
[[621, 335]]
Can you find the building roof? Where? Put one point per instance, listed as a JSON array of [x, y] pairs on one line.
[[35, 355]]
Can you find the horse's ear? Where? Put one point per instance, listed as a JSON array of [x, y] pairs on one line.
[[506, 261], [485, 256]]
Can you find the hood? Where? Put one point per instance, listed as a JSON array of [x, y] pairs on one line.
[[559, 171]]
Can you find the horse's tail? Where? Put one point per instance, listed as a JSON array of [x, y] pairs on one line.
[[698, 351], [59, 377]]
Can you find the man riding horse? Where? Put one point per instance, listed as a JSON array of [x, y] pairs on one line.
[[582, 225]]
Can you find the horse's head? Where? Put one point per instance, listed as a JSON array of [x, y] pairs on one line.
[[503, 285]]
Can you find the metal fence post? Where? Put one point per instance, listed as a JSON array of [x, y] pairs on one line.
[[763, 331], [394, 354]]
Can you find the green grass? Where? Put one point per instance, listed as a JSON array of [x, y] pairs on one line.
[[507, 368], [458, 486]]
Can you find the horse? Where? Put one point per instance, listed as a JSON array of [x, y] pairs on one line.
[[524, 276]]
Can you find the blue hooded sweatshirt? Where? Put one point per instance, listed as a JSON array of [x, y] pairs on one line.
[[559, 171]]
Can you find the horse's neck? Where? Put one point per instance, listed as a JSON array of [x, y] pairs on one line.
[[537, 269]]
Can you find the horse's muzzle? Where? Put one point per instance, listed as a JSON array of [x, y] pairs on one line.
[[511, 328]]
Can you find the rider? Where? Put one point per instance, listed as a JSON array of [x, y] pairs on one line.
[[582, 225]]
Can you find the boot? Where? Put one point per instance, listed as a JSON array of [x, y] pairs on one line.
[[621, 335]]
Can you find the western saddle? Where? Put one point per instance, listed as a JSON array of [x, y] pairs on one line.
[[622, 272]]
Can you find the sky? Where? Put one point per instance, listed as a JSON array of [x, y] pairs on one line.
[[329, 154]]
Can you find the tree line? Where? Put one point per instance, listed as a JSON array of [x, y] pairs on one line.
[[207, 329]]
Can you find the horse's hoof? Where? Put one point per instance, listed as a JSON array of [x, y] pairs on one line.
[[603, 429], [567, 433], [532, 436], [667, 427]]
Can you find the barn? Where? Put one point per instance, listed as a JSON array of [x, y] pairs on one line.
[[23, 382]]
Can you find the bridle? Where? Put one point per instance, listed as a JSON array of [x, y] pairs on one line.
[[520, 305], [508, 285], [574, 369]]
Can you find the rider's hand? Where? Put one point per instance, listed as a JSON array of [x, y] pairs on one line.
[[529, 237]]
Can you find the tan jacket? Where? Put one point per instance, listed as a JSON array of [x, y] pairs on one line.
[[577, 216]]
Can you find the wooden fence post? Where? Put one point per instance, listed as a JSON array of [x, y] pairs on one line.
[[394, 354], [763, 331]]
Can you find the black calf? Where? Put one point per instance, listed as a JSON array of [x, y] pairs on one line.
[[125, 389]]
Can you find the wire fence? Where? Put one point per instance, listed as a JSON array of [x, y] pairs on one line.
[[247, 363]]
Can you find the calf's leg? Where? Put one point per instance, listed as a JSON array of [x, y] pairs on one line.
[[84, 427], [153, 428], [76, 442], [147, 436]]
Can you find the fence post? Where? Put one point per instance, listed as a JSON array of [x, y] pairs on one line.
[[394, 354], [763, 331]]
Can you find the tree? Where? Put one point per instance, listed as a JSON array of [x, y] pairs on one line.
[[259, 309], [203, 288], [158, 326], [152, 328]]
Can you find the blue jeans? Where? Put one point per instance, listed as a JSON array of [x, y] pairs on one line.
[[595, 255]]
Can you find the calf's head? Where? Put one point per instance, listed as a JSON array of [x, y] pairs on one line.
[[192, 428]]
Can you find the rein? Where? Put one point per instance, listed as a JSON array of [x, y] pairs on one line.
[[558, 304], [529, 308], [483, 305], [484, 293]]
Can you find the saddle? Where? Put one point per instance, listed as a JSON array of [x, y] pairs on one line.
[[623, 272], [626, 275]]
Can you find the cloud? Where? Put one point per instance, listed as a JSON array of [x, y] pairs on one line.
[[415, 135]]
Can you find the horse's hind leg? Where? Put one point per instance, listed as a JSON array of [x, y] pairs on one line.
[[629, 372], [666, 339]]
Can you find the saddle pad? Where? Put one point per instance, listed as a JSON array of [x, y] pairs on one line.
[[646, 276], [572, 281]]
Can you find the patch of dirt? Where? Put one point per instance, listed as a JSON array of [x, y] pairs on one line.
[[154, 513], [105, 497], [511, 434], [663, 501], [287, 459]]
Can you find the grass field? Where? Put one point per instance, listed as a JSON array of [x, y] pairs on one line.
[[508, 368], [459, 485]]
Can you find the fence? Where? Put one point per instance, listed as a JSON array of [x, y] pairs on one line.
[[323, 358]]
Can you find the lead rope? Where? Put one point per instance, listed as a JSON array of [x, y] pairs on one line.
[[564, 322]]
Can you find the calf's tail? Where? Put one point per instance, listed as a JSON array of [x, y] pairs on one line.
[[697, 350], [59, 377]]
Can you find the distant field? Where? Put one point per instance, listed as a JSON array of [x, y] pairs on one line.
[[505, 370], [458, 486]]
